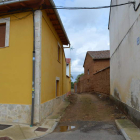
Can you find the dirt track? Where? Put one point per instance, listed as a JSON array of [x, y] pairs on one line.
[[91, 107], [89, 116]]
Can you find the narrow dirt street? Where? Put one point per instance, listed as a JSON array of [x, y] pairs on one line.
[[89, 116]]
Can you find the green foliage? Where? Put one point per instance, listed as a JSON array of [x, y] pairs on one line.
[[72, 85], [77, 79]]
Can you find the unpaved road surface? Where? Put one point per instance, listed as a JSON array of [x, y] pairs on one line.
[[90, 116]]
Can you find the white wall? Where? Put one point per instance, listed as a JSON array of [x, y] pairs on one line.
[[125, 53]]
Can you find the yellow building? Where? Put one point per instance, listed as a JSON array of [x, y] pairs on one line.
[[33, 78]]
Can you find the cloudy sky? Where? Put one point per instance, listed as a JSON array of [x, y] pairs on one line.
[[87, 30]]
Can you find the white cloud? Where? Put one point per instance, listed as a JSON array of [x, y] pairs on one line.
[[87, 29]]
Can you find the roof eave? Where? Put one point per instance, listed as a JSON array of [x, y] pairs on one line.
[[10, 2], [57, 14]]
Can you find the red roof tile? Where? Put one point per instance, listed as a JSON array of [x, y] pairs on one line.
[[99, 54], [68, 60]]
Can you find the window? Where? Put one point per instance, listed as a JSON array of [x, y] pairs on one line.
[[57, 86], [4, 32], [88, 71], [59, 52]]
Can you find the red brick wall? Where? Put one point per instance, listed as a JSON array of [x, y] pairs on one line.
[[99, 82], [75, 87], [102, 81], [101, 64], [94, 65]]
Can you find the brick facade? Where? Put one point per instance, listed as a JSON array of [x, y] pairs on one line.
[[99, 82], [96, 75]]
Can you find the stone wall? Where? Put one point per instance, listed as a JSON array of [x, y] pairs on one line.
[[98, 82], [16, 113]]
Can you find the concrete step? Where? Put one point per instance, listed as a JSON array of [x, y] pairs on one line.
[[129, 130]]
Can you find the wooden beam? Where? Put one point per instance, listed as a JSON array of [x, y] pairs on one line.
[[58, 29], [7, 7], [50, 14], [22, 4], [62, 37], [56, 24], [60, 33], [53, 19], [41, 2]]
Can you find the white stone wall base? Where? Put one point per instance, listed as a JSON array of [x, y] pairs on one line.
[[15, 113]]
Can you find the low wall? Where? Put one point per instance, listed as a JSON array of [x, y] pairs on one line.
[[99, 82], [16, 113]]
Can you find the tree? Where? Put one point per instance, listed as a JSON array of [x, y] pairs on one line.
[[77, 79]]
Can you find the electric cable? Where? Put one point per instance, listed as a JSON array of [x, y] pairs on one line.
[[65, 8], [82, 8]]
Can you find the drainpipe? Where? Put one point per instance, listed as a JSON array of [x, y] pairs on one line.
[[33, 76]]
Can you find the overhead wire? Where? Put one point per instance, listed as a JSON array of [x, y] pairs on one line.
[[82, 8], [65, 8]]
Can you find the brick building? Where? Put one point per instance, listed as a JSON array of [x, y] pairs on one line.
[[96, 66]]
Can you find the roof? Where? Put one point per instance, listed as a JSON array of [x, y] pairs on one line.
[[99, 54], [68, 60], [11, 6]]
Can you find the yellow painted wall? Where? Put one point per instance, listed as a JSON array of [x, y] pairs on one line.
[[50, 67], [16, 62]]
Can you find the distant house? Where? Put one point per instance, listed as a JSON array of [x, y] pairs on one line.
[[95, 62], [34, 76], [124, 27]]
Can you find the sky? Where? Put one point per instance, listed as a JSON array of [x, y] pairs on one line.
[[87, 30]]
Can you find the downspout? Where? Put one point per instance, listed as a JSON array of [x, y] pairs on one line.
[[33, 76]]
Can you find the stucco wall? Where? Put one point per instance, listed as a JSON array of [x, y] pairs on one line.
[[16, 62], [51, 68], [125, 54]]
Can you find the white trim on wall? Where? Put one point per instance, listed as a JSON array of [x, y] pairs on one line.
[[7, 35], [57, 78], [59, 45]]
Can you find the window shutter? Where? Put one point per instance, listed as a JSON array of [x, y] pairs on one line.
[[2, 35]]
